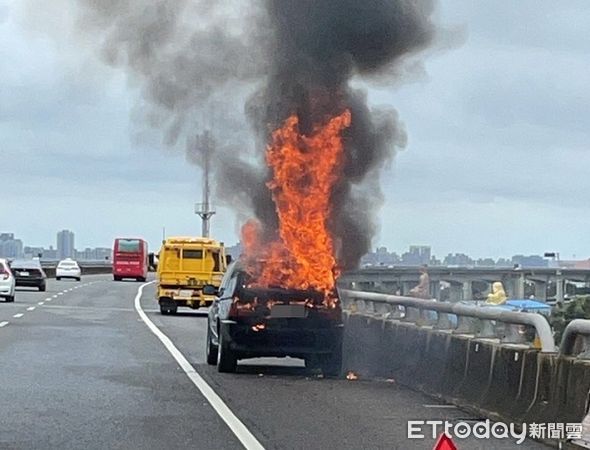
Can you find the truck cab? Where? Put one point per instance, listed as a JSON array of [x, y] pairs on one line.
[[186, 265]]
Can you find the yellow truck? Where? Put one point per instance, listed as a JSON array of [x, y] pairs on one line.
[[186, 264]]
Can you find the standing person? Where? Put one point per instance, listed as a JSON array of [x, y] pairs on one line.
[[423, 288]]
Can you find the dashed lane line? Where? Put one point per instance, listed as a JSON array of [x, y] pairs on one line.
[[235, 425], [18, 316], [41, 303], [3, 324], [91, 309], [31, 308], [440, 406]]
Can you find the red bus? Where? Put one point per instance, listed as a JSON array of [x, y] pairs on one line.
[[130, 259]]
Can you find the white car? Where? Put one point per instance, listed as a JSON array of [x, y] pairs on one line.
[[7, 281], [68, 268]]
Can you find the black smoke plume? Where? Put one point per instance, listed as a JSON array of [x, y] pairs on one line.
[[197, 63], [317, 48]]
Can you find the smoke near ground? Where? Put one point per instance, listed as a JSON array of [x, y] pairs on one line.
[[203, 65]]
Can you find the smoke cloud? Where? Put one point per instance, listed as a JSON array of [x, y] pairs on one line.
[[203, 65]]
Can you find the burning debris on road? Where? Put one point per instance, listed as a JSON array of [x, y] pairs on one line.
[[351, 376]]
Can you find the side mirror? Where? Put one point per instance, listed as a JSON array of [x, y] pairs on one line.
[[209, 289]]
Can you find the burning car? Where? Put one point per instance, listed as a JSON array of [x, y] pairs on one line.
[[249, 321]]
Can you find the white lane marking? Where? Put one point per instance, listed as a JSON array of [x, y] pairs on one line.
[[3, 324], [235, 425], [31, 308], [18, 316], [55, 296], [48, 299], [440, 406], [60, 293], [41, 303]]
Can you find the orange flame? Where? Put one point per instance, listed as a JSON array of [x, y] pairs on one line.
[[304, 172], [351, 376]]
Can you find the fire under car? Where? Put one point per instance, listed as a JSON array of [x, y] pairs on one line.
[[252, 322]]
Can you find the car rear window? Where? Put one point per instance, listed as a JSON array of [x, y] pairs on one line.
[[192, 254], [128, 246], [34, 272]]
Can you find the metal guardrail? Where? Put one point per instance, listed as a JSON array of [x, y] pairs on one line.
[[571, 344], [482, 322]]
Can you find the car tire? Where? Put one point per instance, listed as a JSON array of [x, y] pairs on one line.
[[168, 308], [78, 279], [212, 349], [141, 279], [117, 278], [10, 299], [227, 361], [58, 278], [42, 288]]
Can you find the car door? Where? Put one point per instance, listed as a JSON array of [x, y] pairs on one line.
[[214, 309]]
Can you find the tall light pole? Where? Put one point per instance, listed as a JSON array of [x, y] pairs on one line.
[[205, 210]]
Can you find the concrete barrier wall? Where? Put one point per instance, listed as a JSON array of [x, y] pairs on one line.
[[512, 383], [86, 270]]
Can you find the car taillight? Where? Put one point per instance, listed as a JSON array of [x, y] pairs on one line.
[[241, 309]]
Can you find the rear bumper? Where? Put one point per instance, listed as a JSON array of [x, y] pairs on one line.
[[68, 274], [131, 273], [282, 339], [6, 288], [30, 282], [180, 297]]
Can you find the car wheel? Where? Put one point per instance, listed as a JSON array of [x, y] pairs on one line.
[[227, 361], [117, 278], [212, 349], [58, 278], [42, 288], [10, 299], [168, 307], [141, 279]]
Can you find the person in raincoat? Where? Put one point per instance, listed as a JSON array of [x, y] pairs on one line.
[[498, 295]]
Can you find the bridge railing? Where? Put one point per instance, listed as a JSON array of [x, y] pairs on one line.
[[482, 322], [576, 339]]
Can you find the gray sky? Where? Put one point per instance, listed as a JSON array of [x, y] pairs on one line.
[[497, 161]]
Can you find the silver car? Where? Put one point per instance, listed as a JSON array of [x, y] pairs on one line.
[[7, 281]]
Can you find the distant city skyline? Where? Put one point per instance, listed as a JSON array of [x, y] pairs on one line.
[[12, 246]]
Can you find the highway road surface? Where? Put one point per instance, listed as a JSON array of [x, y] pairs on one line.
[[93, 365]]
